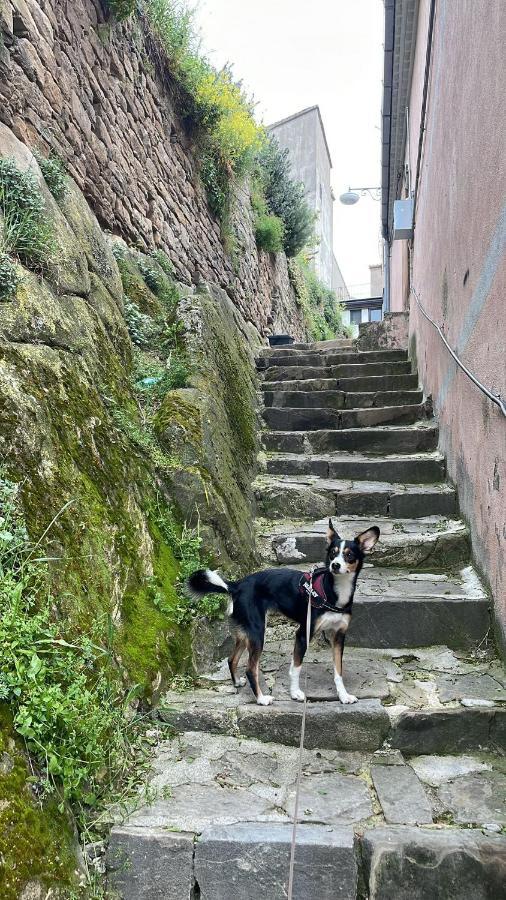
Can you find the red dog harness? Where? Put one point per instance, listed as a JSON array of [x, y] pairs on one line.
[[321, 597]]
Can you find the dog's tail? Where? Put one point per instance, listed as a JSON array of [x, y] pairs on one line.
[[205, 581]]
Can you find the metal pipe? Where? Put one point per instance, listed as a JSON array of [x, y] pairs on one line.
[[386, 276], [495, 398], [428, 57]]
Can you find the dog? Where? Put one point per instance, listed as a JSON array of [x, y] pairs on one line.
[[286, 591]]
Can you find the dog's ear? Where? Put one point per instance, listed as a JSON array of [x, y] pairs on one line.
[[332, 534], [367, 539]]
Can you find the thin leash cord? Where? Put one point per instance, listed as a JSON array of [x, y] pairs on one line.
[[301, 747]]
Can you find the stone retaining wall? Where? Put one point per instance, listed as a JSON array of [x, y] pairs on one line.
[[74, 82]]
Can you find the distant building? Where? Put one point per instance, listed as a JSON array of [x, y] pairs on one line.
[[303, 135], [366, 309]]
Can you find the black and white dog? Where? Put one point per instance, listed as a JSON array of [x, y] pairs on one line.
[[286, 591]]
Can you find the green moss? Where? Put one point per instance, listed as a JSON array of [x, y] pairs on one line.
[[136, 289], [36, 841], [178, 409]]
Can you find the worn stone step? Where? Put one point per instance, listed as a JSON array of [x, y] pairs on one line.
[[317, 419], [421, 468], [433, 543], [399, 608], [417, 438], [219, 824], [284, 372], [419, 700], [372, 384], [309, 496], [332, 357], [337, 399]]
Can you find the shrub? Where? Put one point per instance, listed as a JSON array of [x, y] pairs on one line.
[[321, 309], [122, 9], [25, 231], [284, 197], [269, 232], [54, 175], [217, 105]]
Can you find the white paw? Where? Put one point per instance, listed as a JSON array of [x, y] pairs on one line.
[[347, 698], [298, 695], [263, 700], [240, 682]]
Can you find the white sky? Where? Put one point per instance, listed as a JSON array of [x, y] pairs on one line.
[[291, 54]]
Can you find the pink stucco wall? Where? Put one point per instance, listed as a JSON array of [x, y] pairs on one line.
[[459, 261]]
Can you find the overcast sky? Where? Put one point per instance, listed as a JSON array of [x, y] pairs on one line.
[[292, 54]]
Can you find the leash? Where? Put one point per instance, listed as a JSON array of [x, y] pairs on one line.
[[301, 746]]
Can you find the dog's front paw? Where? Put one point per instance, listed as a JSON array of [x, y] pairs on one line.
[[263, 700], [347, 698], [240, 682], [298, 695]]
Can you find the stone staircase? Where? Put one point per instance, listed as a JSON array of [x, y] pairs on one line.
[[404, 792]]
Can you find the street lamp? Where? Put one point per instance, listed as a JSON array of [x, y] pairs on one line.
[[353, 195], [349, 198]]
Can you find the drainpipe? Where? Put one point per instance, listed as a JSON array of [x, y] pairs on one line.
[[386, 276]]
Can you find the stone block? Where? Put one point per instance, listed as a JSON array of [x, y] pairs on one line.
[[413, 864], [402, 797], [442, 730], [245, 861], [329, 725], [149, 864]]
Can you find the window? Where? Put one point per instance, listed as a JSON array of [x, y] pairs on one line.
[[375, 315], [355, 316]]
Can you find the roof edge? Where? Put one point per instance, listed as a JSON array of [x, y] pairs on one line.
[[297, 115]]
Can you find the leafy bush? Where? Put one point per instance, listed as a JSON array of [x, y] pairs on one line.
[[9, 278], [284, 197], [217, 105], [269, 232], [54, 175], [122, 9], [25, 231]]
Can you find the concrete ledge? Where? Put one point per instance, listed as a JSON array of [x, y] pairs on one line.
[[249, 860]]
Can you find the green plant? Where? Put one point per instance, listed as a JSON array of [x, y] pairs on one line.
[[142, 329], [322, 312], [186, 545], [284, 197], [122, 9], [164, 262], [9, 277], [54, 175], [269, 231], [25, 231], [65, 698]]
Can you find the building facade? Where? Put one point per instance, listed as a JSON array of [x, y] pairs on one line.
[[303, 135], [444, 121]]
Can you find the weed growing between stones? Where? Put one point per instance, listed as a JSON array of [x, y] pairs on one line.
[[54, 175], [25, 233]]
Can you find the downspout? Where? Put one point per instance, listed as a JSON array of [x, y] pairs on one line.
[[423, 114], [386, 128]]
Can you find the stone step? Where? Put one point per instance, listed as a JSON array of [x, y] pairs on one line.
[[418, 700], [284, 372], [420, 468], [433, 543], [419, 438], [337, 399], [371, 384], [308, 496], [317, 419], [399, 608], [332, 357], [219, 826]]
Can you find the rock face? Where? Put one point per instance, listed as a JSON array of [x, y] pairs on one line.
[[88, 88]]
